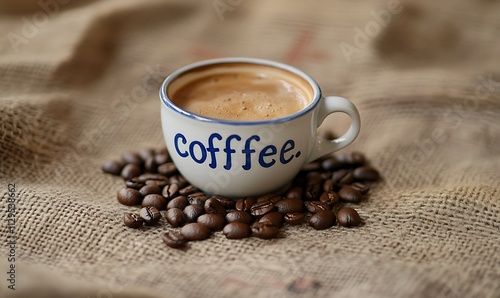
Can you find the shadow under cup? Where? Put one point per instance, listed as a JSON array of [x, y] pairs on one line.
[[239, 158]]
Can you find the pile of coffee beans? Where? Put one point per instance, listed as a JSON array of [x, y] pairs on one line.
[[318, 196]]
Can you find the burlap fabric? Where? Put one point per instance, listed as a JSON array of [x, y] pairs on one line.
[[79, 84]]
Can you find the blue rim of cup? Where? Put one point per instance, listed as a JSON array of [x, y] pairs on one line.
[[314, 85]]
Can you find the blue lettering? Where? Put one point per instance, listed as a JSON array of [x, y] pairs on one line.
[[289, 145], [230, 151], [247, 151], [176, 144], [265, 152], [212, 149], [203, 151]]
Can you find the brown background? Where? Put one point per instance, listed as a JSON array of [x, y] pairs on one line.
[[79, 84]]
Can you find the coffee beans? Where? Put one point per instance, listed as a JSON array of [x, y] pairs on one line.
[[264, 230], [350, 194], [322, 220], [195, 231], [130, 171], [237, 230], [193, 211], [239, 216], [215, 222], [154, 200], [112, 167], [244, 204], [212, 205], [366, 174], [175, 217], [274, 218], [348, 217], [294, 218], [290, 206], [170, 191], [133, 220], [152, 181], [150, 214], [258, 209], [129, 196], [174, 239]]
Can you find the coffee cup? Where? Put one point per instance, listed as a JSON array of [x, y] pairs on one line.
[[242, 127]]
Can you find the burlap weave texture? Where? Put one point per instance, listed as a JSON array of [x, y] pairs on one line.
[[79, 84]]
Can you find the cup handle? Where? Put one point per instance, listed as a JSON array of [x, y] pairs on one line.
[[329, 105]]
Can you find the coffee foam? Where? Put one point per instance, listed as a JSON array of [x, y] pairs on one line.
[[238, 91]]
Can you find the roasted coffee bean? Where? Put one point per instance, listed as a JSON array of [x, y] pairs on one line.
[[162, 156], [174, 239], [150, 214], [150, 165], [158, 183], [270, 198], [365, 174], [188, 190], [180, 202], [192, 212], [342, 176], [239, 216], [295, 192], [313, 178], [146, 153], [362, 188], [258, 209], [197, 198], [264, 230], [353, 159], [215, 222], [214, 206], [175, 217], [130, 171], [348, 217], [312, 166], [226, 202], [350, 194], [273, 218], [155, 200], [329, 198], [236, 230], [244, 204], [131, 157], [133, 220], [195, 231], [150, 176], [179, 180], [290, 206], [356, 159], [150, 189], [322, 220], [112, 167], [316, 206], [331, 164], [170, 191], [167, 169], [328, 185], [129, 196], [299, 180], [134, 183], [312, 192], [326, 175], [294, 218]]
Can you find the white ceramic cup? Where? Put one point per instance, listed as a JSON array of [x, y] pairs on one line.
[[248, 158]]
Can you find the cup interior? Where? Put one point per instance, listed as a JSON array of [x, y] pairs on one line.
[[197, 71]]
